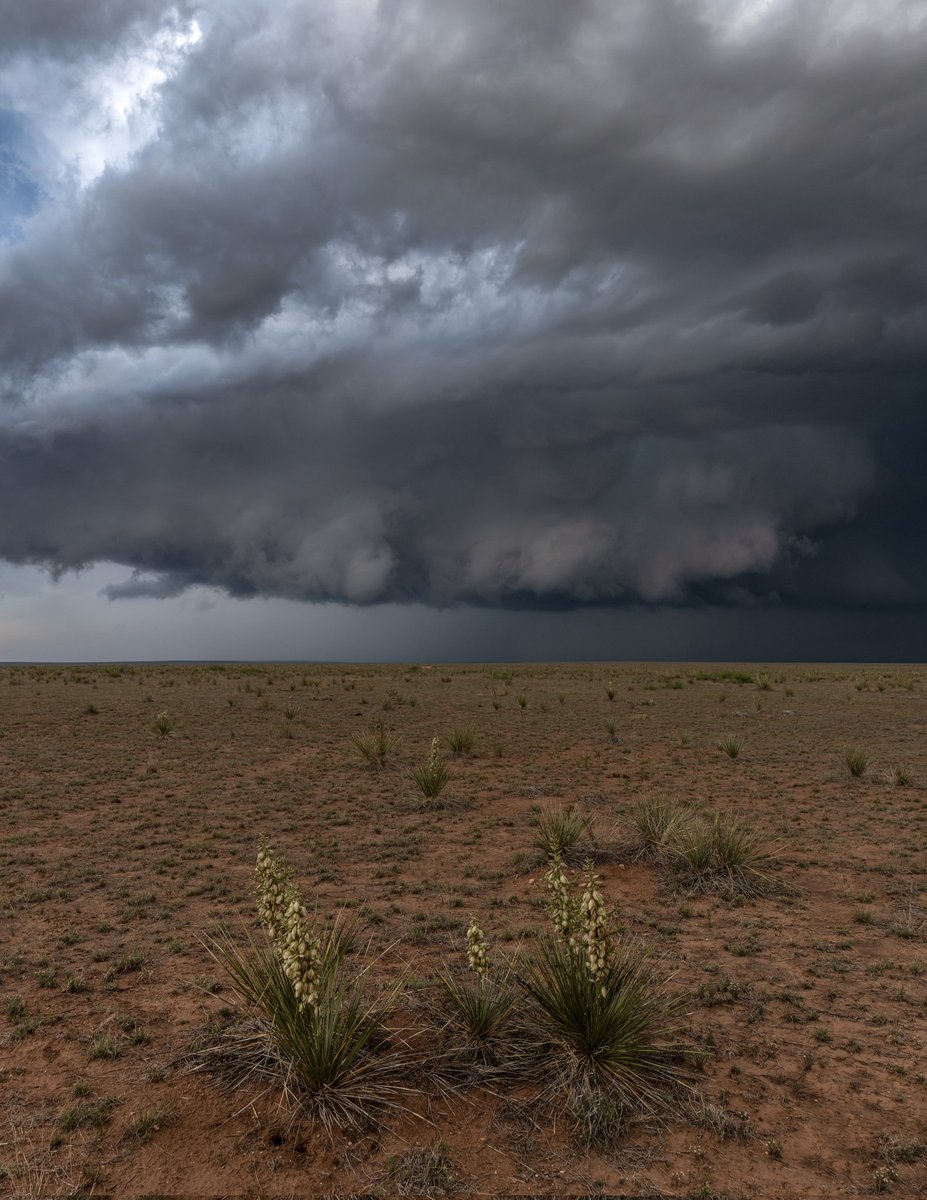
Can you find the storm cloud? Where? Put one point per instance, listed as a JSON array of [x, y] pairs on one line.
[[523, 304]]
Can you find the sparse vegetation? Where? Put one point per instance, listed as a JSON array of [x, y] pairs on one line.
[[431, 775], [376, 745], [730, 745], [856, 760], [461, 741], [163, 724], [314, 1029], [613, 1028], [119, 844], [564, 832]]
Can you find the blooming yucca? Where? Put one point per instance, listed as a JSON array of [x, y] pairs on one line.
[[299, 953], [274, 887], [560, 903], [597, 933], [477, 950]]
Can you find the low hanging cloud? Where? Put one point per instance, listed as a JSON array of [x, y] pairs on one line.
[[534, 304]]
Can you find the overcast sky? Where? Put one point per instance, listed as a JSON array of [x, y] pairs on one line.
[[429, 329]]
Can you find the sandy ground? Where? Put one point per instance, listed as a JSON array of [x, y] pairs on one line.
[[121, 845]]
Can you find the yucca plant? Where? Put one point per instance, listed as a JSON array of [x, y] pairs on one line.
[[479, 1010], [612, 1028], [565, 832], [856, 760], [431, 774], [376, 745], [655, 822], [730, 745], [314, 1029], [723, 854], [163, 724]]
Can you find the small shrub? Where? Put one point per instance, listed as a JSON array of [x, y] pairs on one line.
[[317, 1033], [899, 776], [431, 774], [290, 709], [163, 724], [655, 823], [376, 745], [460, 741], [856, 760], [730, 745], [422, 1172], [610, 690], [612, 1027], [478, 1009], [565, 832], [723, 854]]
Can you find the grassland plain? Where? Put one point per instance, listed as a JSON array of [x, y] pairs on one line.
[[132, 800]]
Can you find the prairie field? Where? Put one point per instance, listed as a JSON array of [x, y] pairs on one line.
[[133, 803]]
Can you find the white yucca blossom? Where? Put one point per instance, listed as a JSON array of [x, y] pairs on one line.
[[596, 931], [433, 757], [299, 953], [274, 888], [477, 948], [559, 903]]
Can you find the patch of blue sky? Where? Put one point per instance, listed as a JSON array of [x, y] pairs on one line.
[[20, 192]]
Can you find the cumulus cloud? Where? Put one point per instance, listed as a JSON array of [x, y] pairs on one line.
[[534, 304]]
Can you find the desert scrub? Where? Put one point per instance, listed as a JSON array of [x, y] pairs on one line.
[[730, 745], [312, 1027], [720, 854], [656, 822], [461, 741], [163, 724], [564, 832], [611, 1028], [856, 761], [376, 745], [431, 775], [478, 1011]]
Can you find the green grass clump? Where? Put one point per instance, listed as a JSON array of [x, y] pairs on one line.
[[730, 745], [655, 823], [722, 854], [461, 741], [376, 745], [565, 832], [856, 761]]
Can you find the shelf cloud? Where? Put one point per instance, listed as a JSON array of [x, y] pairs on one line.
[[527, 305]]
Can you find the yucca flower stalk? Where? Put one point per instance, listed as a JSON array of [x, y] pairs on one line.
[[299, 953], [560, 904], [477, 950], [273, 888], [597, 930], [431, 774]]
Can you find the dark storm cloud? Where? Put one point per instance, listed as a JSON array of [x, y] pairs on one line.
[[67, 30], [514, 304]]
